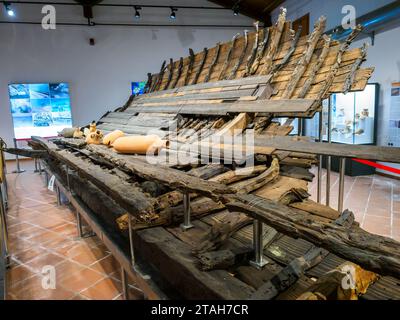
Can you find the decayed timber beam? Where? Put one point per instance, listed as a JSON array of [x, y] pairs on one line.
[[295, 144], [316, 67], [210, 108], [203, 60], [27, 152], [372, 252], [273, 47], [235, 68], [127, 195], [164, 175], [189, 67], [228, 57], [213, 63], [302, 64], [254, 80], [260, 52]]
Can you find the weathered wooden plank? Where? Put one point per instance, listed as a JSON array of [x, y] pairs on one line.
[[176, 263], [213, 63], [228, 57], [167, 176], [303, 62], [129, 129], [377, 153], [372, 252], [269, 106], [273, 47], [127, 195]]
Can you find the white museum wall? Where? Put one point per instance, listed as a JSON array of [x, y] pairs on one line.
[[100, 75]]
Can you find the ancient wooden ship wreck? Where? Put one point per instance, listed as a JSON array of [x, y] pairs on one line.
[[228, 90]]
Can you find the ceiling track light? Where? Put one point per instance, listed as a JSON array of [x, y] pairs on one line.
[[173, 14], [137, 13], [9, 11]]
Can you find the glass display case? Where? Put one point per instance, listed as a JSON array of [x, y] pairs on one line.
[[353, 117]]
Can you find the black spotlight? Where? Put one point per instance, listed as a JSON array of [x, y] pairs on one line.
[[137, 13], [173, 14], [236, 11], [9, 11]]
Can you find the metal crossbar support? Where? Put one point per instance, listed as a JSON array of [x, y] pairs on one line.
[[258, 261], [342, 169], [186, 225], [79, 224]]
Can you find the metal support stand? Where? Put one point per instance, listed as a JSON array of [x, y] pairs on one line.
[[40, 166], [258, 261], [328, 159], [320, 159], [17, 159], [300, 126], [125, 285], [131, 247], [79, 224], [186, 225], [58, 194], [342, 168]]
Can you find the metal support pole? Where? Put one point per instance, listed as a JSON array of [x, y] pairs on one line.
[[125, 285], [186, 225], [342, 168], [299, 126], [40, 166], [36, 165], [131, 247], [258, 261], [328, 159], [17, 159], [58, 194], [320, 159], [79, 224]]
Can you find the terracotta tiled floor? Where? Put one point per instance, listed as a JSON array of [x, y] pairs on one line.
[[43, 234], [374, 200]]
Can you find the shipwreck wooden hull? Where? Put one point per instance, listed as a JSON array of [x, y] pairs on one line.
[[230, 90]]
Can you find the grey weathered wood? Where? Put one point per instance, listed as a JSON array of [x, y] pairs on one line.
[[235, 68], [203, 60], [260, 52], [225, 95], [178, 75], [377, 153], [213, 63], [372, 252], [170, 73], [254, 80], [228, 57], [190, 66], [269, 106], [175, 262], [167, 176], [129, 129], [126, 194]]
